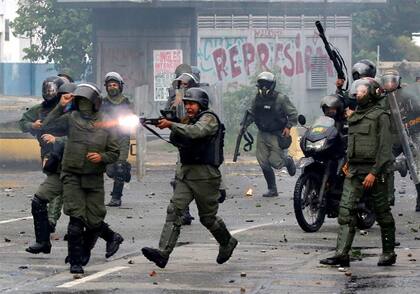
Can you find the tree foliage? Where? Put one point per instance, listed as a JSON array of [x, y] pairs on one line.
[[58, 35], [390, 27]]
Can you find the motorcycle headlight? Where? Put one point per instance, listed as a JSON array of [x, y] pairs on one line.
[[315, 145]]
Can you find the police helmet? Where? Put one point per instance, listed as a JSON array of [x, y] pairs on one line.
[[266, 82], [50, 87], [116, 77], [66, 76], [89, 91], [197, 95], [196, 72], [365, 90], [391, 80], [66, 88], [363, 68], [182, 68], [187, 79], [331, 102]]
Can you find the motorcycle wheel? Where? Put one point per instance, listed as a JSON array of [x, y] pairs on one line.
[[365, 220], [308, 211]]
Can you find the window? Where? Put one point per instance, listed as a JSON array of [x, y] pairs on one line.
[[6, 30]]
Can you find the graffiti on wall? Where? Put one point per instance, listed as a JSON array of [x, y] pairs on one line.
[[235, 59]]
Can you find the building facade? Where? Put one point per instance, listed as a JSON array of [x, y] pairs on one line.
[[230, 41], [18, 77]]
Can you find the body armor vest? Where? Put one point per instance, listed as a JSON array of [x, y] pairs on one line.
[[208, 150], [268, 115], [46, 147], [115, 110], [362, 140], [83, 137]]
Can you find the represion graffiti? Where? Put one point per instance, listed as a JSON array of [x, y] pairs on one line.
[[235, 59]]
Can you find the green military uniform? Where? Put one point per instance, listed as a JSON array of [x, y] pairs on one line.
[[193, 182], [272, 113], [200, 144], [369, 151], [51, 188], [54, 211], [113, 108], [83, 180]]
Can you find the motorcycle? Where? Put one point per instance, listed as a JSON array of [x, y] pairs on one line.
[[318, 189]]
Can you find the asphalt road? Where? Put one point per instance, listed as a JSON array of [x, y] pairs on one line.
[[274, 254]]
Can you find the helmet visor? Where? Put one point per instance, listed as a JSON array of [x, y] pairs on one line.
[[264, 84], [49, 90], [390, 82], [360, 90]]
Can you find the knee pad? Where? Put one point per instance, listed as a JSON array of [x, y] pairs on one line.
[[210, 222], [345, 216], [172, 213], [38, 205], [75, 227]]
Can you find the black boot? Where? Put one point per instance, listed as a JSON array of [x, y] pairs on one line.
[[270, 178], [75, 245], [222, 196], [52, 227], [41, 226], [113, 240], [154, 255], [388, 256], [290, 166], [387, 259], [90, 236], [227, 243], [187, 218], [116, 194], [418, 197], [341, 260]]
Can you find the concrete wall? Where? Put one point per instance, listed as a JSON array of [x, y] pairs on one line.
[[23, 79], [233, 49], [125, 40]]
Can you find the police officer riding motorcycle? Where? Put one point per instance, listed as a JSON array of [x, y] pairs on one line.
[[318, 189]]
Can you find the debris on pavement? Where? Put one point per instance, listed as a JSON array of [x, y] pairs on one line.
[[249, 192]]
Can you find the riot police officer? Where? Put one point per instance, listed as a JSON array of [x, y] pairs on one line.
[[332, 106], [274, 114], [200, 145], [32, 122], [407, 105], [114, 105], [55, 205], [89, 148], [184, 80], [369, 156], [361, 69]]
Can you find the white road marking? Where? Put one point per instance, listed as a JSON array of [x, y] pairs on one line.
[[92, 277], [15, 219], [253, 227]]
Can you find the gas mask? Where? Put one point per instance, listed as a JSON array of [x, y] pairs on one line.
[[85, 108], [264, 87]]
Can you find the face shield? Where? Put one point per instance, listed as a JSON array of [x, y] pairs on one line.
[[390, 82], [49, 90], [360, 91]]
